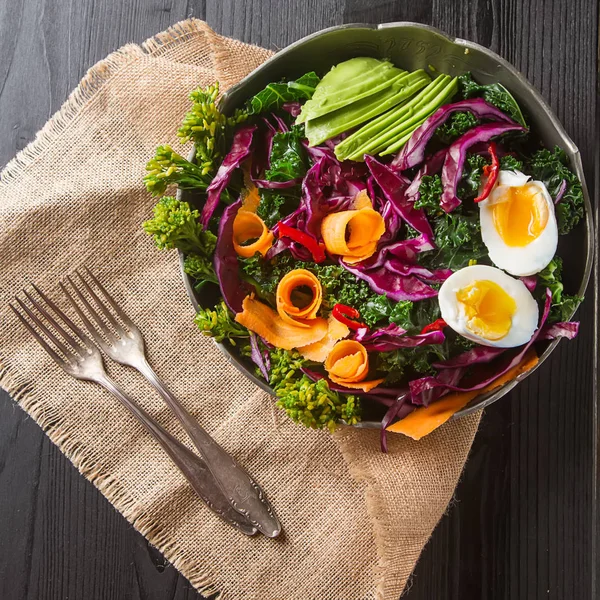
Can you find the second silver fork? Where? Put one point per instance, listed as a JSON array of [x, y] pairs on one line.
[[123, 342]]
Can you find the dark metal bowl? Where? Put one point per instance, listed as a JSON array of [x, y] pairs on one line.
[[415, 46]]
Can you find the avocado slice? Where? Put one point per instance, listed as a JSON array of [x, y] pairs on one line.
[[388, 128], [348, 82], [343, 119]]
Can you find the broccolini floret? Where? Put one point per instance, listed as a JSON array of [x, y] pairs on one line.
[[205, 125], [167, 167], [175, 225], [219, 324], [309, 402]]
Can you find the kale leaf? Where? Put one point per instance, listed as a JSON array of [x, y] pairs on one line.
[[471, 178], [430, 193], [275, 95], [508, 162], [288, 157], [551, 167], [563, 305], [457, 237], [458, 124], [494, 93], [270, 208]]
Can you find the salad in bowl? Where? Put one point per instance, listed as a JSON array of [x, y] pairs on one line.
[[372, 235]]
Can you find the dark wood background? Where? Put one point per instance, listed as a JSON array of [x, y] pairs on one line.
[[522, 525]]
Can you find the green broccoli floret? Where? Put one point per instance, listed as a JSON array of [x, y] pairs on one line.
[[201, 268], [175, 225], [205, 125], [309, 402], [219, 324], [167, 167]]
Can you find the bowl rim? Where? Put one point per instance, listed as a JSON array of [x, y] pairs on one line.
[[483, 400]]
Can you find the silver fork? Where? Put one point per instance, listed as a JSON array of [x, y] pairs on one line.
[[124, 343], [77, 355]]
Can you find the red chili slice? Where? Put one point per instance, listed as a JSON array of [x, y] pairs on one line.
[[305, 239], [491, 172], [437, 325], [345, 314]]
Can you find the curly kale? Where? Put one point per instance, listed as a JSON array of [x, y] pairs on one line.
[[271, 206], [175, 225], [458, 124], [471, 178], [167, 167], [493, 93], [551, 167], [219, 324], [457, 239], [206, 125], [430, 193], [288, 156], [508, 162], [305, 401], [563, 305]]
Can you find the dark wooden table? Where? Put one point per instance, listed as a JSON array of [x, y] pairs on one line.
[[523, 524]]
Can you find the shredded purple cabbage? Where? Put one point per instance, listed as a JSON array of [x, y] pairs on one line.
[[276, 185], [240, 150], [395, 287], [257, 357], [557, 330], [395, 265], [387, 343], [561, 191], [432, 166], [413, 152], [398, 410], [293, 108], [394, 188], [530, 282], [457, 152], [477, 355], [233, 288]]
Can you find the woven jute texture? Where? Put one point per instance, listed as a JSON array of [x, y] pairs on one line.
[[355, 520]]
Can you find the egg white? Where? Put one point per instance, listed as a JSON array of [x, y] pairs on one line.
[[523, 260], [524, 321]]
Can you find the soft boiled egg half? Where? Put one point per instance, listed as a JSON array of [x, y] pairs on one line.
[[489, 307], [518, 224]]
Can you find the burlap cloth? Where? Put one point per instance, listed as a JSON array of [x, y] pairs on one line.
[[355, 520]]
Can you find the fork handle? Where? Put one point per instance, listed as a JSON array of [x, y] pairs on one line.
[[192, 466], [244, 494]]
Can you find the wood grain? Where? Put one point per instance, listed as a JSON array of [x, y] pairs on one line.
[[522, 523]]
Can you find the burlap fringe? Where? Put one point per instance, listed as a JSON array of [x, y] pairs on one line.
[[16, 386], [373, 508]]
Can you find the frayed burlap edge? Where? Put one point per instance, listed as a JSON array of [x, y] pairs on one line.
[[15, 385]]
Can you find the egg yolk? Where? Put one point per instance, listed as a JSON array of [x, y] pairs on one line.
[[488, 308], [521, 216]]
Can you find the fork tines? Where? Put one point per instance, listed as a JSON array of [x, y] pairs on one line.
[[49, 326], [107, 321]]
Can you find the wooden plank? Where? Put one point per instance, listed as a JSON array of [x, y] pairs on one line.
[[521, 524]]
